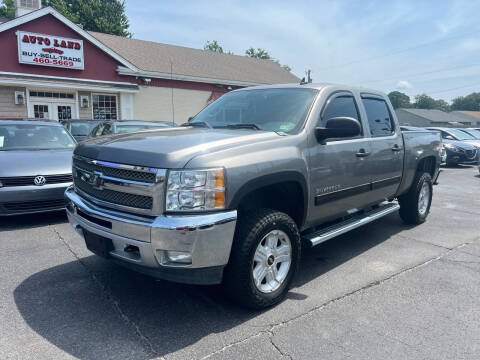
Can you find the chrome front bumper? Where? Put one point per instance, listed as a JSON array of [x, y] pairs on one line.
[[207, 238]]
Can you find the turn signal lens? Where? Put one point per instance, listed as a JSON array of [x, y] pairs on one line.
[[219, 180], [219, 199]]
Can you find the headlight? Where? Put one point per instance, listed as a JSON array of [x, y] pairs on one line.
[[195, 190], [451, 147]]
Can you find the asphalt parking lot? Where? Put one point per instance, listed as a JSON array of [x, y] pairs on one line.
[[382, 291]]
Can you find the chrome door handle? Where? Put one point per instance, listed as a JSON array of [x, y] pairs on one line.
[[362, 153], [396, 148]]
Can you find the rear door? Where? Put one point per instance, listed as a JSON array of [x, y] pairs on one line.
[[339, 168], [386, 143]]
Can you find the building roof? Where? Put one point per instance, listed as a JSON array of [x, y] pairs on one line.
[[152, 59], [435, 115], [468, 115], [164, 58]]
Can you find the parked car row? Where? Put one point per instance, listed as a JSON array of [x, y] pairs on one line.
[[84, 129], [461, 146], [38, 167]]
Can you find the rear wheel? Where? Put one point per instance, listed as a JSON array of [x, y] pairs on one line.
[[265, 257], [415, 204]]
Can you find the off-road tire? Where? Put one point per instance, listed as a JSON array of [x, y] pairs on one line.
[[409, 207], [238, 279]]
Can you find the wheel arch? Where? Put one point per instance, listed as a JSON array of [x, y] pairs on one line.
[[261, 191]]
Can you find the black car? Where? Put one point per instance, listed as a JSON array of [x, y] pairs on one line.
[[118, 127], [80, 129], [35, 166]]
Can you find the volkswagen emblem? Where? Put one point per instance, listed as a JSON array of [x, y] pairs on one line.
[[39, 180]]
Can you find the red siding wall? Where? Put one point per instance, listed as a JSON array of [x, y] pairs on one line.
[[98, 65]]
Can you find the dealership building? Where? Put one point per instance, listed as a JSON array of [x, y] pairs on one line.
[[52, 68]]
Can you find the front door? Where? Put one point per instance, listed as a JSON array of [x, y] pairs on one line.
[[52, 111], [41, 110], [340, 168], [63, 111]]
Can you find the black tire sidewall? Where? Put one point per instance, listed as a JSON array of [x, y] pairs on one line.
[[238, 276], [424, 178], [295, 245]]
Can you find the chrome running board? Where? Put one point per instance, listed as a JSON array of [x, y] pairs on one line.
[[350, 224]]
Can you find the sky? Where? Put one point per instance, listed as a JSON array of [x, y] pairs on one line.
[[421, 46]]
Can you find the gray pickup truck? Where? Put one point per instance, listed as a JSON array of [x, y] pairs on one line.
[[231, 196]]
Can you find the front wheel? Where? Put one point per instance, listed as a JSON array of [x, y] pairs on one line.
[[415, 204], [264, 259]]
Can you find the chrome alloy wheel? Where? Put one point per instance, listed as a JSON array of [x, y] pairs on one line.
[[271, 261], [423, 199]]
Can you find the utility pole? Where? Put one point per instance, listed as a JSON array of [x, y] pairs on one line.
[[309, 79]]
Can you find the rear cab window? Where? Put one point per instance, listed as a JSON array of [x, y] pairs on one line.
[[380, 119]]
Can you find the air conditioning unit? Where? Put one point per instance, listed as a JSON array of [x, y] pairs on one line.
[[84, 101], [19, 98]]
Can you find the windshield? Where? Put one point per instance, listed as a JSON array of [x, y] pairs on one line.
[[281, 110], [474, 133], [34, 137], [461, 135], [81, 128], [132, 128]]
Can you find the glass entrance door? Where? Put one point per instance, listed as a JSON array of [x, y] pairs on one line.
[[52, 111], [41, 111], [63, 112]]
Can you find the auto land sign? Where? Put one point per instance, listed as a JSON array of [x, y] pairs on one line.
[[48, 50]]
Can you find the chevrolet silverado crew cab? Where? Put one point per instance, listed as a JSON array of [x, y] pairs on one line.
[[230, 196]]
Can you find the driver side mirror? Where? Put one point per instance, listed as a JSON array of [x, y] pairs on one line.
[[190, 118], [338, 127]]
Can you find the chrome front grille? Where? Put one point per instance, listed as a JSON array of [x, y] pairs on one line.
[[116, 172], [124, 187], [116, 197]]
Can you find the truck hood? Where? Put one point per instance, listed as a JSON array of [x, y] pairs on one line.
[[35, 162], [167, 148]]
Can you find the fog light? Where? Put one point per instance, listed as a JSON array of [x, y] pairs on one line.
[[181, 257], [69, 206]]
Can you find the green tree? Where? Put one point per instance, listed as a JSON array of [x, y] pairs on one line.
[[471, 102], [399, 99], [213, 46], [106, 16], [7, 9], [423, 101], [442, 105], [260, 53]]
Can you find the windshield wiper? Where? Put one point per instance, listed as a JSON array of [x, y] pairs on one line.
[[197, 124], [241, 126]]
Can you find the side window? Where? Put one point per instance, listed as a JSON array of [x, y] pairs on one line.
[[98, 130], [106, 129], [340, 106], [446, 136], [379, 117]]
